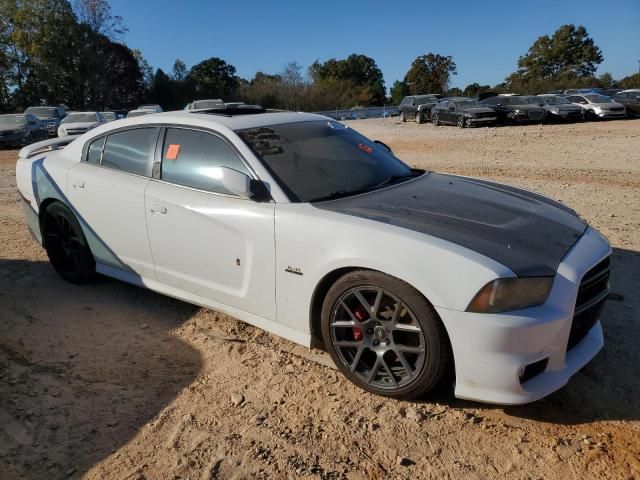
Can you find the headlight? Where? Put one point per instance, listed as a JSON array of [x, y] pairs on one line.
[[468, 115], [506, 294], [61, 132], [554, 110]]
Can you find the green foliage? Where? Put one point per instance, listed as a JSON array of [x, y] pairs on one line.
[[567, 57], [430, 73], [399, 90], [454, 92], [632, 81], [213, 78], [474, 89]]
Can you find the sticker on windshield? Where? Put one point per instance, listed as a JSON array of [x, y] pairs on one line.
[[365, 148], [173, 151]]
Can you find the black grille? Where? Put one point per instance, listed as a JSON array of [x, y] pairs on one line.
[[593, 292], [485, 114]]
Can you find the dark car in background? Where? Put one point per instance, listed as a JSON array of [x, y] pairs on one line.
[[51, 116], [514, 109], [631, 100], [19, 129], [463, 112], [417, 107], [556, 107]]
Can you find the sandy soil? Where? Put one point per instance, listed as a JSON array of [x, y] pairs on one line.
[[112, 381]]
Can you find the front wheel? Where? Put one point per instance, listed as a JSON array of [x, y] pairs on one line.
[[419, 118], [460, 121], [402, 117], [66, 245], [435, 120], [383, 335]]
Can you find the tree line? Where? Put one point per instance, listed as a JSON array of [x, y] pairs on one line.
[[60, 53]]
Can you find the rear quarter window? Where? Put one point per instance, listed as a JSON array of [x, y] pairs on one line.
[[94, 152]]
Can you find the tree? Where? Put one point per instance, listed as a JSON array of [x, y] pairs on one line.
[[214, 78], [179, 72], [568, 54], [145, 69], [631, 81], [454, 92], [97, 15], [398, 91], [361, 73], [606, 80], [291, 86], [430, 73]]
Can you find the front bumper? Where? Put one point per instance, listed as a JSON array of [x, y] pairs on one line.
[[605, 114], [481, 120], [491, 351]]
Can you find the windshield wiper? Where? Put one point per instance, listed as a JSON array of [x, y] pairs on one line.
[[393, 179]]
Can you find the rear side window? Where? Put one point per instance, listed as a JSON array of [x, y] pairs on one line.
[[94, 154], [130, 151], [192, 158]]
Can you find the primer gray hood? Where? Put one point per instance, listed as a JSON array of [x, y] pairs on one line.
[[526, 232]]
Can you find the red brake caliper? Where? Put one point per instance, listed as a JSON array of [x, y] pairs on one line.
[[357, 332]]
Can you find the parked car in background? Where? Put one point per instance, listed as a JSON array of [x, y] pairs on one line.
[[417, 107], [139, 112], [630, 99], [111, 115], [19, 129], [153, 107], [204, 104], [463, 112], [578, 91], [51, 116], [598, 106], [556, 107], [77, 123], [514, 109], [610, 92]]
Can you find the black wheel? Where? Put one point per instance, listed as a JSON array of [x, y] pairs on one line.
[[419, 117], [383, 335], [435, 120], [402, 117], [460, 121], [66, 245]]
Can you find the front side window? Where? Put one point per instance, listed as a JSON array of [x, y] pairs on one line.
[[318, 160], [193, 158], [130, 150]]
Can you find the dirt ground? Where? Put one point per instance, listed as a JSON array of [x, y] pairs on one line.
[[112, 381]]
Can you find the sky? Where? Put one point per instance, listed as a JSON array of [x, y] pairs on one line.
[[485, 39]]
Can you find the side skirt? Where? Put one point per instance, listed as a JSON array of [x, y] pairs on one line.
[[270, 326]]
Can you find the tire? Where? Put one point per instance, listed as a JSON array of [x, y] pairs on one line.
[[460, 121], [435, 120], [383, 335], [402, 117], [419, 118], [66, 245]]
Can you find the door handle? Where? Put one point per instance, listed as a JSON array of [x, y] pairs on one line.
[[158, 209], [78, 184]]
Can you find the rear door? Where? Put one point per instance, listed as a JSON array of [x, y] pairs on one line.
[[205, 240], [106, 189]]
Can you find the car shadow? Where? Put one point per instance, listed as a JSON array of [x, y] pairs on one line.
[[607, 388], [82, 368]]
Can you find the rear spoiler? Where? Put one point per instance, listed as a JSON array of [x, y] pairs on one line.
[[46, 146]]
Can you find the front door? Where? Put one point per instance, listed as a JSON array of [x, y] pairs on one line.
[[205, 240]]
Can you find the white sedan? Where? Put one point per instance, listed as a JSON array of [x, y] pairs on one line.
[[76, 123], [303, 227]]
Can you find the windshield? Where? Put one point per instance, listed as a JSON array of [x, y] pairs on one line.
[[425, 99], [80, 118], [8, 120], [320, 160], [42, 112], [555, 100], [515, 100], [598, 99], [468, 104]]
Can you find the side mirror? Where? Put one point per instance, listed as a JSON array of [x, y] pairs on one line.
[[233, 181]]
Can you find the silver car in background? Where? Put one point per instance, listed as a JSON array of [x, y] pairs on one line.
[[77, 123], [598, 106]]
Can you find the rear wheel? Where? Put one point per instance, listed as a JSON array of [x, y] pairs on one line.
[[435, 120], [66, 245], [383, 335]]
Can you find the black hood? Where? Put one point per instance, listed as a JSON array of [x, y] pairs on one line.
[[475, 110], [526, 232]]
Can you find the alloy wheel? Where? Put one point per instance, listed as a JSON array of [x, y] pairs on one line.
[[64, 246]]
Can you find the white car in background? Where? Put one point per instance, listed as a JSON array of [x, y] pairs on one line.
[[77, 123], [139, 113], [598, 106], [153, 108], [301, 226], [204, 104]]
